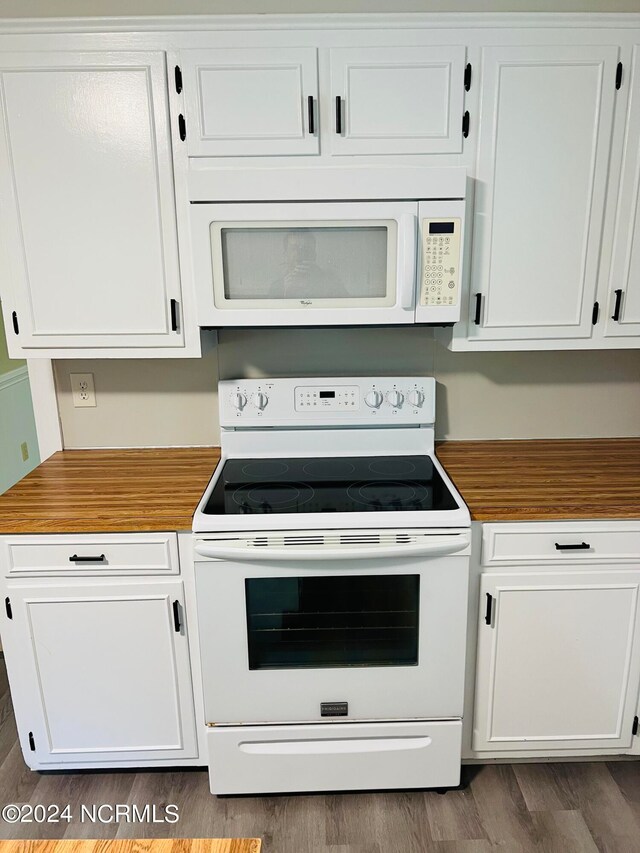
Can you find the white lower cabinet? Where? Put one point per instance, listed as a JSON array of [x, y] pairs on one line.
[[99, 671], [558, 663]]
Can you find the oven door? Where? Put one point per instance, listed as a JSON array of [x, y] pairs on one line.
[[305, 264], [346, 638]]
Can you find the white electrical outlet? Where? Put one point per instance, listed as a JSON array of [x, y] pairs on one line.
[[82, 389]]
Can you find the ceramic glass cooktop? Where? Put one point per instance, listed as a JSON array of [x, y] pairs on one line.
[[337, 484]]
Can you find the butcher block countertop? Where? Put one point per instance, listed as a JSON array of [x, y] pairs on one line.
[[135, 845], [110, 491], [115, 491], [546, 480]]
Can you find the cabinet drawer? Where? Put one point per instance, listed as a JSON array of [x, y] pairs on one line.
[[560, 543], [353, 756], [93, 554]]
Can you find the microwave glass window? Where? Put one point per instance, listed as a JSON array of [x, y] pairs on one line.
[[321, 622], [338, 262]]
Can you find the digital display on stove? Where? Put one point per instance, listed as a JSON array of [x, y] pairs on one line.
[[327, 395], [324, 485]]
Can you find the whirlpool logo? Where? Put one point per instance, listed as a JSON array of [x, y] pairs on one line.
[[306, 302]]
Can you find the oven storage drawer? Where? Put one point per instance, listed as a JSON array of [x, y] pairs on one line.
[[90, 554], [336, 757], [559, 543]]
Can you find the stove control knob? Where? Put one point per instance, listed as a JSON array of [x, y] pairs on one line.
[[416, 398], [395, 398], [373, 399], [238, 400], [260, 400]]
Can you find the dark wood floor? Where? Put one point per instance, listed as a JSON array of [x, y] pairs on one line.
[[551, 808]]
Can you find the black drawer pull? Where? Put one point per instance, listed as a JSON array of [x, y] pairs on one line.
[[176, 616], [77, 559], [616, 311], [338, 114], [487, 613], [312, 126], [478, 315], [580, 546]]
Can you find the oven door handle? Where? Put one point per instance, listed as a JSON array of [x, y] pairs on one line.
[[255, 553]]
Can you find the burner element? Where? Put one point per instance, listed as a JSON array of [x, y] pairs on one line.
[[394, 467], [329, 468], [268, 496], [265, 468], [387, 494]]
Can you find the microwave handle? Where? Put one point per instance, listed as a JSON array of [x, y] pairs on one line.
[[407, 265]]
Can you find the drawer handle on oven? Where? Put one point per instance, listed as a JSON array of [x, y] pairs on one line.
[[444, 545], [77, 559], [580, 546], [340, 746]]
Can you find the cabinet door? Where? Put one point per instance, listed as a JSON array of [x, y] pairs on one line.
[[545, 138], [558, 662], [622, 310], [87, 212], [397, 100], [243, 101], [99, 672]]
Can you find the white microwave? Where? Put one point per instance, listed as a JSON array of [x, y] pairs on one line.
[[338, 263]]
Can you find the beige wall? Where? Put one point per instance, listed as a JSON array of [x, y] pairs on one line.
[[480, 395], [59, 8]]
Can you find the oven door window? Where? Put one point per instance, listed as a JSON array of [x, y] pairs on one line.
[[295, 264], [318, 622]]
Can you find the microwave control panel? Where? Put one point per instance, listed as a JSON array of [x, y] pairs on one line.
[[440, 262]]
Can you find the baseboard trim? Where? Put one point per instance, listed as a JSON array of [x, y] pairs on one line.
[[12, 377]]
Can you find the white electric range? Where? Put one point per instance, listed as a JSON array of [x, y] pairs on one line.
[[332, 556]]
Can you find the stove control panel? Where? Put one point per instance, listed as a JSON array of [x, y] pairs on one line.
[[327, 402]]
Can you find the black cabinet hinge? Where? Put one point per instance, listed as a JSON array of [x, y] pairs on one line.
[[7, 607], [619, 75], [634, 728], [467, 77], [465, 124], [32, 742], [178, 78], [174, 315], [182, 127], [488, 612], [14, 320], [594, 313]]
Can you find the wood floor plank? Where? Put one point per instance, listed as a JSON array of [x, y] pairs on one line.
[[542, 788], [563, 832], [386, 819], [454, 817], [502, 808]]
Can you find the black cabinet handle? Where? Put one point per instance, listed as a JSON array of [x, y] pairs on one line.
[[182, 127], [476, 319], [14, 320], [174, 315], [77, 559], [338, 115], [311, 117], [176, 616], [178, 78], [465, 124], [616, 311], [580, 546], [7, 607], [487, 613]]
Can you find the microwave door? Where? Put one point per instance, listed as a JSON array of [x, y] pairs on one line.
[[440, 261], [305, 264]]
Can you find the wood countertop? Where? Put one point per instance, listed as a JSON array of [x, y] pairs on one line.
[[115, 491], [135, 845], [110, 491], [546, 480]]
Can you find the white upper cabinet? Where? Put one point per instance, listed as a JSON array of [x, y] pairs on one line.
[[87, 207], [558, 661], [545, 141], [622, 305], [245, 101], [397, 100]]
